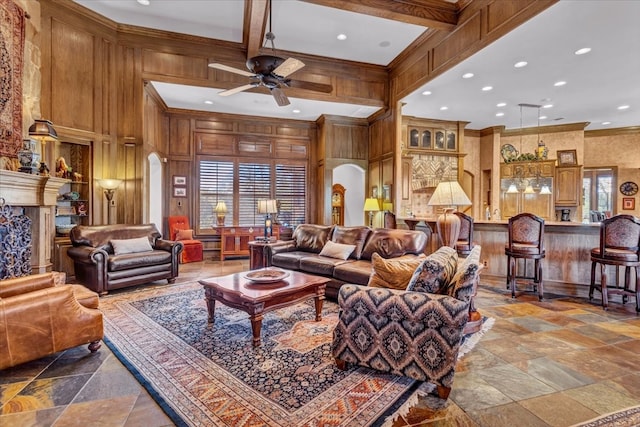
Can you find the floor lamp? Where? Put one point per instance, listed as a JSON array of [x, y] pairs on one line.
[[449, 194], [109, 186], [371, 205]]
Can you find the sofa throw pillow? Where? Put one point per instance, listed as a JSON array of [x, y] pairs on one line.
[[462, 284], [393, 273], [337, 250], [435, 272], [130, 246], [184, 234]]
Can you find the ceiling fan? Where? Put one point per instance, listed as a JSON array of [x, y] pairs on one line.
[[272, 72]]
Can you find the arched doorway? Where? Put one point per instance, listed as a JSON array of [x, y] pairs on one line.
[[352, 178]]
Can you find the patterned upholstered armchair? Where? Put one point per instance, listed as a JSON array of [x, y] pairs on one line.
[[412, 333]]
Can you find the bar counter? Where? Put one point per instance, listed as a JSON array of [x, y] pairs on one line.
[[567, 244]]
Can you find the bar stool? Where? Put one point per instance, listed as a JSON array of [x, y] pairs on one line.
[[464, 244], [619, 246], [526, 241]]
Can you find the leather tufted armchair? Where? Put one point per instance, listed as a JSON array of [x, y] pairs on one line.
[[41, 316], [99, 268]]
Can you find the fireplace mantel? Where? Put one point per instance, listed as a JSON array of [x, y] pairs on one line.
[[37, 195], [23, 189]]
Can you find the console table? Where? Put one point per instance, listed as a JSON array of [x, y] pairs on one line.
[[234, 240]]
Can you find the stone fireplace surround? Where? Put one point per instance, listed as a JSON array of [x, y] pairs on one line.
[[37, 195]]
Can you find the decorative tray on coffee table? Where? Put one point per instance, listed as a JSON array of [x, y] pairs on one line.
[[266, 275]]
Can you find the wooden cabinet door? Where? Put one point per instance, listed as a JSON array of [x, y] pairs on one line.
[[568, 186]]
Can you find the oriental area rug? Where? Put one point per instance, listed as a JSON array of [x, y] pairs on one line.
[[211, 375], [629, 417]]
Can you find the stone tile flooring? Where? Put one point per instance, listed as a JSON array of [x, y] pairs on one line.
[[552, 363]]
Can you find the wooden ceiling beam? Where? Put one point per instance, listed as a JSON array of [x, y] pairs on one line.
[[256, 15], [437, 14]]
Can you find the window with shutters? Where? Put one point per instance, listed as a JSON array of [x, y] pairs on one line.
[[216, 184], [241, 184], [291, 185]]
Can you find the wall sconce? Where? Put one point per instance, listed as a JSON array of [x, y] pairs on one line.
[[267, 207], [371, 205], [43, 131], [220, 210], [449, 193]]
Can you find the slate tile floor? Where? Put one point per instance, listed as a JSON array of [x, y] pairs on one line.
[[551, 363]]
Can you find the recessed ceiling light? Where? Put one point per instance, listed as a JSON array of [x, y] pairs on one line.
[[606, 123], [444, 108], [296, 111], [500, 114], [467, 75], [583, 51], [208, 102], [385, 44], [501, 104], [487, 88], [623, 107], [560, 83], [542, 117], [547, 106], [520, 64], [426, 92], [342, 37], [144, 2]]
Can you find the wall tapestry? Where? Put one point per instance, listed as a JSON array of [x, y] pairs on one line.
[[11, 63]]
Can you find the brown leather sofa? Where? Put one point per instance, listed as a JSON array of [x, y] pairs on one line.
[[101, 268], [40, 315], [303, 252]]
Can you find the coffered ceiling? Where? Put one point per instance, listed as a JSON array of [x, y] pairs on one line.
[[596, 85]]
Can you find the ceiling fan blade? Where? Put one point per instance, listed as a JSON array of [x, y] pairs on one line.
[[279, 96], [316, 87], [290, 66], [238, 89], [230, 69]]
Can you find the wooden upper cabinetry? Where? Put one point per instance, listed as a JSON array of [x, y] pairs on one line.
[[568, 185], [430, 138]]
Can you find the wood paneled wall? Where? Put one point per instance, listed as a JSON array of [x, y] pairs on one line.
[[94, 71]]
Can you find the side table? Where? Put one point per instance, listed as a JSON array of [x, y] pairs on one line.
[[258, 255]]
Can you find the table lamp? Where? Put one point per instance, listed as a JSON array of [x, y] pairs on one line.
[[371, 205], [220, 210], [449, 194], [267, 207]]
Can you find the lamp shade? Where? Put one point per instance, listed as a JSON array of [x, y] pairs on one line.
[[387, 206], [109, 184], [221, 207], [449, 193], [267, 206], [43, 130], [371, 205]]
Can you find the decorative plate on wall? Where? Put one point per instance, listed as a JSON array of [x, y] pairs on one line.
[[509, 152]]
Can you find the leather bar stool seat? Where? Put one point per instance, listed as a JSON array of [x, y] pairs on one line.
[[526, 241]]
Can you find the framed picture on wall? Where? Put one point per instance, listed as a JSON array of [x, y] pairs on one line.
[[179, 192], [374, 192], [628, 203], [567, 157], [179, 180]]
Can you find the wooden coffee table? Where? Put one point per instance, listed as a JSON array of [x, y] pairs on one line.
[[256, 299]]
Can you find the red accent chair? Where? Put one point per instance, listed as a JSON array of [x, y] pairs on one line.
[[180, 230]]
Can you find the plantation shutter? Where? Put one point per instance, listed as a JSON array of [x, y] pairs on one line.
[[254, 181], [216, 184], [291, 188]]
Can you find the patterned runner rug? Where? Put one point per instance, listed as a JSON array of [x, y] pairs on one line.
[[629, 417], [211, 374]]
